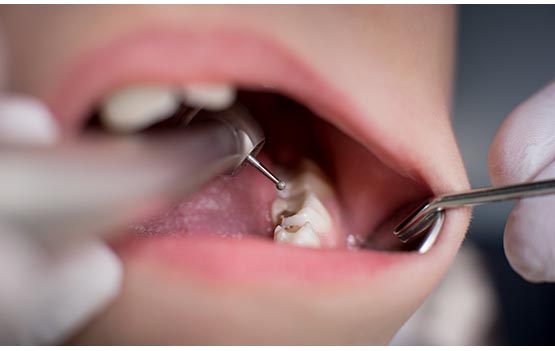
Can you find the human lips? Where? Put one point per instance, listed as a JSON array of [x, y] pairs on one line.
[[260, 63]]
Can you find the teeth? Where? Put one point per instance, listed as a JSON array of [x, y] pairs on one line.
[[209, 96], [310, 179], [304, 236], [285, 207], [300, 217], [313, 212], [138, 107]]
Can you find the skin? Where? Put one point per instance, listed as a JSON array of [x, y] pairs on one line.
[[393, 61]]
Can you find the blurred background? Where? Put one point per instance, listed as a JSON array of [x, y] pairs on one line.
[[505, 54]]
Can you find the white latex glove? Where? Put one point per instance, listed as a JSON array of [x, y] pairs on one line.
[[524, 150], [47, 290]]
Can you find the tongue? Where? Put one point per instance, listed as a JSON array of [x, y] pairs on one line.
[[227, 206]]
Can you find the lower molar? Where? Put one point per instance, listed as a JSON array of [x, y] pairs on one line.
[[300, 236], [299, 214]]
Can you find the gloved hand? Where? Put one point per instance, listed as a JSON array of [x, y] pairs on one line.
[[524, 150], [47, 289]]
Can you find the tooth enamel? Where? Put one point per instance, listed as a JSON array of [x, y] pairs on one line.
[[209, 96], [310, 180], [138, 107], [304, 236], [312, 211], [281, 207], [298, 213]]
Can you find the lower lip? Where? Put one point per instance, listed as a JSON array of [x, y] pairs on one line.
[[252, 258]]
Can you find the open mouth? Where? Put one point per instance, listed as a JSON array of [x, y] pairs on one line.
[[345, 179]]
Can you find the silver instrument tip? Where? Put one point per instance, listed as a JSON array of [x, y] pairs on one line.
[[280, 184]]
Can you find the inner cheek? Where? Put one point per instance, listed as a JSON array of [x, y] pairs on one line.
[[370, 192]]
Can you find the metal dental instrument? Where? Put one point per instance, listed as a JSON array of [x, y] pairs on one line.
[[250, 138], [98, 184], [280, 184], [427, 213]]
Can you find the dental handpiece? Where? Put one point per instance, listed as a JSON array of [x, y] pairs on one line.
[[250, 139], [100, 183]]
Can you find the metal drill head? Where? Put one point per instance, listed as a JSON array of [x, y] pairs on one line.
[[250, 139], [249, 135]]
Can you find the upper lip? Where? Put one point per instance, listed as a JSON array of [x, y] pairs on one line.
[[238, 58], [232, 57]]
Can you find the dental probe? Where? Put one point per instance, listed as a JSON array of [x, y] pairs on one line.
[[426, 214], [250, 139]]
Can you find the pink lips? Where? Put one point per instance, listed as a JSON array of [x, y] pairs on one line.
[[176, 57], [240, 58], [243, 59]]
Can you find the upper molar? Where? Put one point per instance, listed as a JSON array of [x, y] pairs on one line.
[[209, 96], [137, 107]]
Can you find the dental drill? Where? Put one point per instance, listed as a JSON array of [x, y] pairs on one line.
[[100, 183], [250, 140]]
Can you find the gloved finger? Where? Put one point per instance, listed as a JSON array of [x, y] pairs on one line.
[[524, 150], [47, 292], [529, 235], [525, 143], [24, 120], [46, 295]]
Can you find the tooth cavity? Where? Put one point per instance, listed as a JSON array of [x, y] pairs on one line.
[[300, 217], [285, 207], [312, 211], [303, 236], [138, 107], [209, 96]]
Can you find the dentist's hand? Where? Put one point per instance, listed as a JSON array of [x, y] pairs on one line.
[[48, 290], [524, 150]]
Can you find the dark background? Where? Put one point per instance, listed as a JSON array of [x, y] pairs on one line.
[[505, 54]]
